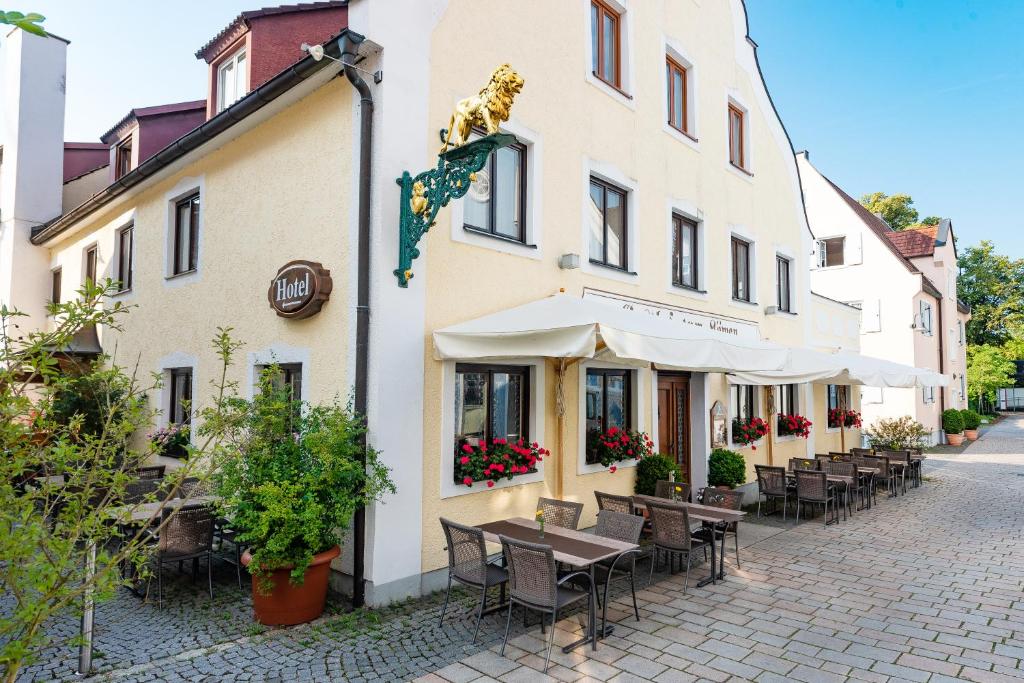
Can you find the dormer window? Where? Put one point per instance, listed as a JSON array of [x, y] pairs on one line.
[[232, 80], [123, 158]]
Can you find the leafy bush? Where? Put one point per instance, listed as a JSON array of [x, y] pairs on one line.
[[290, 478], [972, 420], [726, 468], [897, 434], [85, 399], [654, 468], [952, 421]]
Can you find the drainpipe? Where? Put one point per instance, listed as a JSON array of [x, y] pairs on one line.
[[942, 358], [349, 46]]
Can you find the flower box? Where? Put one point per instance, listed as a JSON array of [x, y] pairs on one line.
[[794, 425], [485, 462], [747, 432], [616, 445]]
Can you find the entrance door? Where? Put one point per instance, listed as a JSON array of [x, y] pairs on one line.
[[674, 419]]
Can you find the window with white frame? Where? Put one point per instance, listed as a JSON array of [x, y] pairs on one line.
[[232, 80], [963, 386], [89, 269], [783, 284], [606, 26], [608, 224], [491, 402], [837, 403], [831, 252], [287, 379], [496, 201], [960, 331], [609, 404], [742, 403], [179, 411], [685, 254], [679, 93], [928, 394], [925, 317], [787, 401], [55, 282], [125, 238], [185, 244], [738, 134], [742, 252]]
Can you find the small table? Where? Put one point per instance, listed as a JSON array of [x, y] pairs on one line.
[[708, 515], [572, 547]]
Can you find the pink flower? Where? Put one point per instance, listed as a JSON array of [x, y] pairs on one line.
[[468, 481], [490, 484], [467, 448], [464, 460], [612, 469]]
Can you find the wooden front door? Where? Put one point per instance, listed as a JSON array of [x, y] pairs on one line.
[[674, 419]]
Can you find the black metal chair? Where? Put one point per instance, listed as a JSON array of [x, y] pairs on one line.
[[672, 535], [672, 490], [467, 564], [561, 513], [772, 484], [613, 502], [534, 585], [812, 488], [151, 472], [185, 533], [729, 500], [624, 527]]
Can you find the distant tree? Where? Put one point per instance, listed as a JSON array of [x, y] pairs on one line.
[[988, 369], [897, 210], [26, 22], [993, 285], [930, 220]]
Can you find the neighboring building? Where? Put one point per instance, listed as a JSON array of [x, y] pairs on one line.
[[649, 149], [905, 284]]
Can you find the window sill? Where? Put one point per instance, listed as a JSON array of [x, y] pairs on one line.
[[617, 269], [617, 94], [682, 132], [585, 468], [689, 290], [741, 170], [121, 292], [746, 302], [782, 312], [181, 274], [496, 236], [611, 85]]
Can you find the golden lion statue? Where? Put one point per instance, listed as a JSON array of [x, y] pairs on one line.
[[487, 109]]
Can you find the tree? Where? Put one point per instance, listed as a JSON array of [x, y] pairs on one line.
[[988, 369], [65, 474], [993, 285], [930, 220], [897, 210], [26, 22]]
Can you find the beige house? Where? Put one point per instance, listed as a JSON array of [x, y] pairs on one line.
[[650, 173]]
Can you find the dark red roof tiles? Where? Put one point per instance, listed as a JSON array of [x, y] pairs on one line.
[[914, 242], [246, 17]]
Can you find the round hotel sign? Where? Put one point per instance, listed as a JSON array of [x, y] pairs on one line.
[[299, 289]]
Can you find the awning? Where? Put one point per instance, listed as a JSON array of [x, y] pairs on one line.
[[843, 368], [564, 326]]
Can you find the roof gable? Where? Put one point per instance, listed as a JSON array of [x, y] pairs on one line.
[[230, 33], [915, 242]]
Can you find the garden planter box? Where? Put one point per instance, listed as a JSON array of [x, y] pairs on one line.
[[287, 604]]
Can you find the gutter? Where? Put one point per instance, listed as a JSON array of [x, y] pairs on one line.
[[349, 46], [192, 140]]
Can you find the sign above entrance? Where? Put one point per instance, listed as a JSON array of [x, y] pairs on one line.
[[300, 289], [724, 325]]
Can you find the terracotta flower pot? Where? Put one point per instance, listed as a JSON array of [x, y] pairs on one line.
[[288, 604], [971, 434], [954, 439]]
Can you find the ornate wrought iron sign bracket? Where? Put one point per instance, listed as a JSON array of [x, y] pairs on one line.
[[425, 194]]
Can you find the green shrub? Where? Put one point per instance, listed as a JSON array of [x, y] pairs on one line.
[[952, 421], [652, 469], [726, 468], [971, 419], [897, 434]]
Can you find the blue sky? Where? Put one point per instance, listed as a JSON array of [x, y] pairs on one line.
[[914, 96]]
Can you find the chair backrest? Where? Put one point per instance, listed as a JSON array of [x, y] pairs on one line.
[[151, 472], [811, 485], [532, 575], [862, 451], [670, 525], [622, 526], [722, 498], [672, 490], [141, 491], [189, 530], [879, 462], [839, 455], [561, 513], [611, 501], [802, 464], [896, 456], [467, 554], [771, 479], [841, 468]]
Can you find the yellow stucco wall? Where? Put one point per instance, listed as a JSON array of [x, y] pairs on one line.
[[579, 127], [262, 206]]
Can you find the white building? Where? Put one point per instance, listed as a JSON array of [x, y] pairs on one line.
[[905, 284]]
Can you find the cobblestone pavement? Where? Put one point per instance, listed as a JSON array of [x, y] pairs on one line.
[[924, 587]]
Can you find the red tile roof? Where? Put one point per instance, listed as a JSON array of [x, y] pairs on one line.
[[246, 17], [914, 242]]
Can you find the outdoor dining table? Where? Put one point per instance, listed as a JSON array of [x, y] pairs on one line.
[[868, 472], [707, 515], [569, 546]]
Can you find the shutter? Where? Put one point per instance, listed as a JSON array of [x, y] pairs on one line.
[[821, 251], [871, 315], [853, 249]]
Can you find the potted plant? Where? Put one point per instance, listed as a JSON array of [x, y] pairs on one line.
[[290, 476], [794, 425], [897, 434], [726, 469], [171, 441], [953, 425], [499, 459], [748, 432], [852, 419], [615, 445], [972, 421], [654, 468]]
